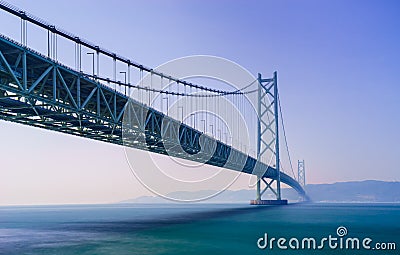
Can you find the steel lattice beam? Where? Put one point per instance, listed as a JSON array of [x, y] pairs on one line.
[[36, 91]]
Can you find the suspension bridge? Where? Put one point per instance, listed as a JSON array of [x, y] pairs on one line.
[[36, 89]]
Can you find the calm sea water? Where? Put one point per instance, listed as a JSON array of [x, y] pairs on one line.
[[191, 229]]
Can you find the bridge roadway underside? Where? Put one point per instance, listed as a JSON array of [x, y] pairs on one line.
[[38, 91]]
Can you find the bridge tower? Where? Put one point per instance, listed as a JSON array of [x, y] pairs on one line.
[[268, 138], [301, 172]]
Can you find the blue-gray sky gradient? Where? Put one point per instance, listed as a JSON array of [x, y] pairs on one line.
[[338, 64]]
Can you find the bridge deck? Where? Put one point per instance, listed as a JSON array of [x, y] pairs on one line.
[[38, 91]]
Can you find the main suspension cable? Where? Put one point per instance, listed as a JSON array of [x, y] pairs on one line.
[[147, 88], [284, 134]]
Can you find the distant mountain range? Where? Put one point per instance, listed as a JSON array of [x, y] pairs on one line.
[[361, 191]]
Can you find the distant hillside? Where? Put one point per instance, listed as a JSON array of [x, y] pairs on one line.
[[362, 191]]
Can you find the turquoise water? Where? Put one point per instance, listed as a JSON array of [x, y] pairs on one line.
[[191, 229]]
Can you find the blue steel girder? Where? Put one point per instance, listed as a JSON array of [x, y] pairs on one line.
[[37, 91], [53, 93]]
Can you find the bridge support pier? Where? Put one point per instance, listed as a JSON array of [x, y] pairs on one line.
[[268, 186]]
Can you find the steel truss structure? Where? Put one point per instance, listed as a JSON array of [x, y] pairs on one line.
[[38, 91], [301, 173]]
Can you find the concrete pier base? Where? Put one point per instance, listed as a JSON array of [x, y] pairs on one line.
[[269, 202]]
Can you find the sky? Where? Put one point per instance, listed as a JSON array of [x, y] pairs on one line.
[[338, 65]]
